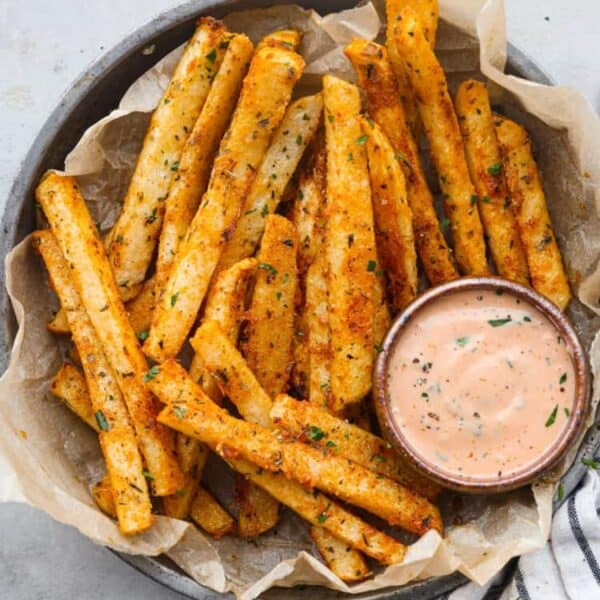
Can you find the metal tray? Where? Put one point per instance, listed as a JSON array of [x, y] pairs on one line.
[[93, 95]]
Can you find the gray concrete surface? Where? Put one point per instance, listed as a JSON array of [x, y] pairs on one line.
[[44, 45]]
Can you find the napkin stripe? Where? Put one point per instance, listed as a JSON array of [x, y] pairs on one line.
[[581, 539]]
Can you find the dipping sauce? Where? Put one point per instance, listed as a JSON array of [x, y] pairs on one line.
[[480, 383]]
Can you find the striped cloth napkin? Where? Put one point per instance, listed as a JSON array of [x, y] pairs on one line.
[[567, 567]]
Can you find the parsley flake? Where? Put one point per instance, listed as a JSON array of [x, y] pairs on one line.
[[552, 417], [151, 373], [316, 433], [101, 420]]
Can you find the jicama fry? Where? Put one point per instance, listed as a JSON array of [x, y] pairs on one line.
[[374, 72], [546, 268], [287, 147], [484, 160], [265, 94], [117, 436], [69, 385], [447, 151], [382, 318], [258, 510], [350, 246], [93, 279], [346, 563], [393, 217], [316, 425], [321, 511], [284, 38], [268, 338], [139, 310], [190, 411], [210, 515], [104, 497], [135, 234], [198, 153], [427, 11], [59, 324], [223, 360]]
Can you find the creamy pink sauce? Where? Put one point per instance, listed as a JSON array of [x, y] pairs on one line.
[[480, 384]]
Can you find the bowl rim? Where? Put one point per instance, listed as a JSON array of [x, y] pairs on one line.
[[552, 455], [16, 225]]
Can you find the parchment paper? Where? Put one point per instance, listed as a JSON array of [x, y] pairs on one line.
[[48, 458]]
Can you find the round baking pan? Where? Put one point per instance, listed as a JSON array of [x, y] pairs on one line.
[[93, 95]]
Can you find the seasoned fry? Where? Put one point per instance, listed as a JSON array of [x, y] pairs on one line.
[[73, 354], [427, 11], [190, 411], [548, 276], [447, 151], [117, 437], [69, 385], [78, 239], [265, 94], [346, 563], [210, 515], [350, 246], [104, 497], [139, 310], [314, 424], [59, 324], [289, 141], [375, 76], [321, 511], [223, 360], [284, 38], [393, 217], [382, 318], [134, 235], [259, 511], [268, 340], [197, 156], [485, 166]]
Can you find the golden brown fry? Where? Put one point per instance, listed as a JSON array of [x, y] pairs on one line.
[[307, 420], [197, 156], [210, 515], [139, 310], [382, 318], [321, 511], [347, 563], [259, 511], [427, 11], [393, 217], [350, 246], [268, 340], [374, 72], [190, 411], [73, 354], [485, 166], [134, 235], [59, 324], [446, 147], [284, 38], [281, 159], [90, 270], [223, 360], [548, 275], [69, 385], [117, 437], [265, 94], [104, 497]]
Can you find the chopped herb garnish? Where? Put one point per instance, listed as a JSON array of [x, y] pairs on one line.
[[142, 336], [278, 295], [561, 492], [299, 140], [527, 319], [378, 348], [495, 169], [567, 412], [563, 379], [316, 433], [174, 298], [212, 55], [175, 166], [101, 420], [371, 266], [305, 117], [362, 139], [322, 517], [486, 199], [147, 474], [330, 444], [350, 157], [444, 222], [590, 462], [180, 411], [267, 267], [378, 458], [474, 199], [265, 211], [462, 342], [151, 373], [499, 322], [402, 157], [424, 395], [550, 420], [330, 118]]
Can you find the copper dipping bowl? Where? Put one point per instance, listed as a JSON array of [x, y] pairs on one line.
[[552, 455]]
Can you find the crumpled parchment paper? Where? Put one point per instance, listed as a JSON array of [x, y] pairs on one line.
[[49, 458]]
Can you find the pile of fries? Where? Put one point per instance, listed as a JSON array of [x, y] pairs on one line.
[[278, 238]]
